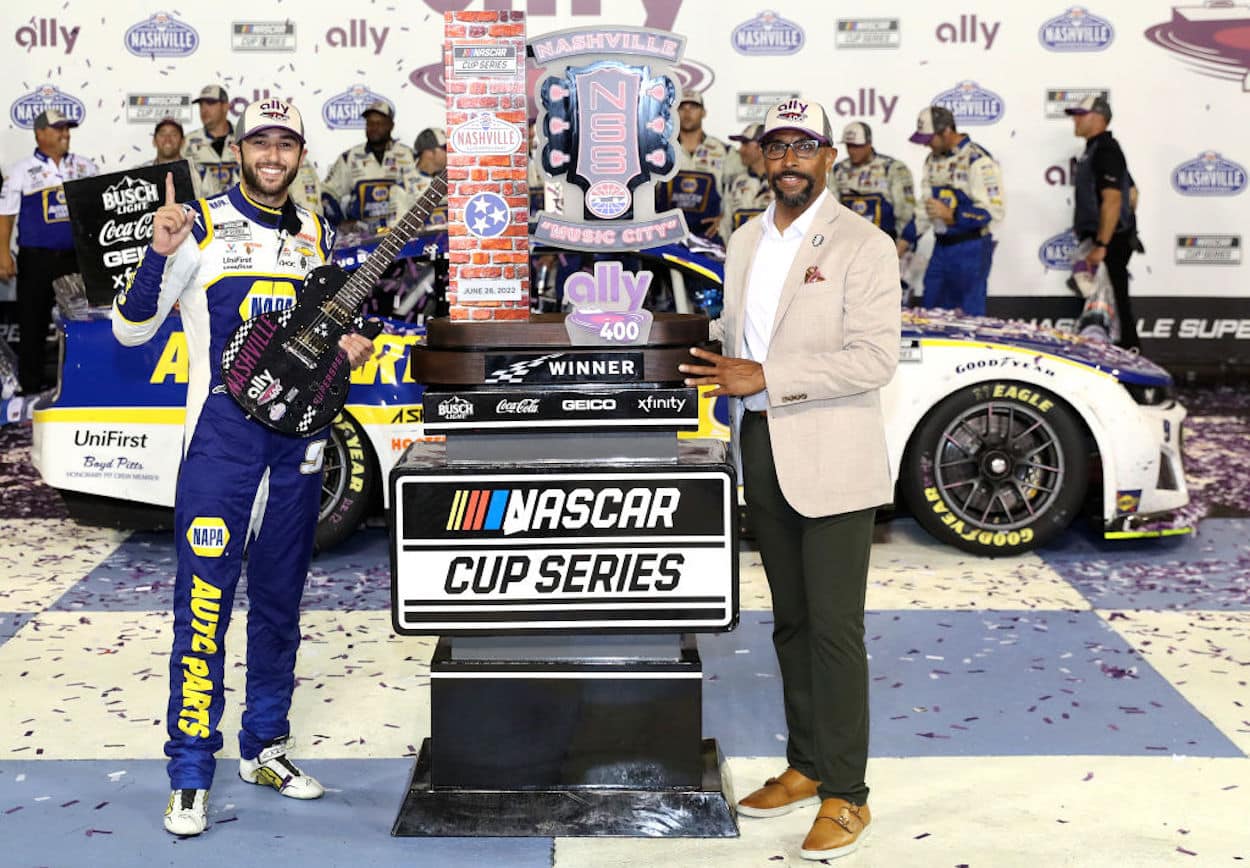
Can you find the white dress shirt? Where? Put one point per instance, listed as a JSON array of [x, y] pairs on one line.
[[773, 258]]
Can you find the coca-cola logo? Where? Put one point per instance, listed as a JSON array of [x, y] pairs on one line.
[[126, 231], [526, 406]]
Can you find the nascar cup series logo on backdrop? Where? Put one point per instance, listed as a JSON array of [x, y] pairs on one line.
[[162, 35], [1056, 251], [1209, 175], [1077, 29], [767, 33], [971, 104], [343, 111], [28, 106]]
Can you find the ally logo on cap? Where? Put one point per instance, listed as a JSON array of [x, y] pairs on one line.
[[793, 110], [274, 110]]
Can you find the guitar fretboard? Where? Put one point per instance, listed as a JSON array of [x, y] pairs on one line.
[[357, 288]]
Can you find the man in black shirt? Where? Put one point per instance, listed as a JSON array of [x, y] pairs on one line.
[[1105, 203]]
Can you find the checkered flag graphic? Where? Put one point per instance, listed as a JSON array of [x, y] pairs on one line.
[[517, 372]]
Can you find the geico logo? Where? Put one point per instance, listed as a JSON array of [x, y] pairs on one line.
[[589, 404], [265, 296], [515, 511], [129, 256], [584, 572]]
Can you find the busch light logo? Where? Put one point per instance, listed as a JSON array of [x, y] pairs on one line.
[[1077, 29], [767, 33], [1057, 251], [971, 104], [162, 35], [343, 111], [28, 106], [1209, 175]]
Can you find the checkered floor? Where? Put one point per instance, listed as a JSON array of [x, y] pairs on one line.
[[1087, 705]]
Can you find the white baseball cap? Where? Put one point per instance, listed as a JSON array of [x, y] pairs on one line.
[[857, 133], [804, 116], [270, 113]]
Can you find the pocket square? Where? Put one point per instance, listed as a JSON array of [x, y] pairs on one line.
[[813, 275]]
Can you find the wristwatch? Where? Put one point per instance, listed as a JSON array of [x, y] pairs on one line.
[[1098, 243]]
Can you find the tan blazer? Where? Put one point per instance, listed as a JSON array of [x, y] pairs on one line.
[[834, 344]]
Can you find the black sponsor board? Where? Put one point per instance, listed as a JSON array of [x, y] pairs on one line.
[[610, 366], [555, 409], [111, 218], [572, 551], [1187, 335]]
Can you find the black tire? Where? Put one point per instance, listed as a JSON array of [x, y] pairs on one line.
[[347, 484], [996, 469]]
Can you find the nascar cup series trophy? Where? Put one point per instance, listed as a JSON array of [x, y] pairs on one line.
[[563, 542]]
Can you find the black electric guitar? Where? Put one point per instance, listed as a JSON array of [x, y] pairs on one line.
[[285, 368]]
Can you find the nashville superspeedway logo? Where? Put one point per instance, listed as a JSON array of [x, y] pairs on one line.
[[511, 511]]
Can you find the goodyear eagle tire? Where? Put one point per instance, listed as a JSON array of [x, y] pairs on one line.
[[996, 469], [347, 483]]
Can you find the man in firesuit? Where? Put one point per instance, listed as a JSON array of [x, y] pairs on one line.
[[372, 181], [208, 149], [874, 186], [962, 192], [225, 259], [696, 187], [748, 192], [33, 199]]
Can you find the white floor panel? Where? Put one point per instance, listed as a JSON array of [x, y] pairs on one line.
[[40, 559]]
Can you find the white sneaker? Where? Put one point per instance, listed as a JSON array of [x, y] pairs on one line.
[[273, 769], [187, 812]]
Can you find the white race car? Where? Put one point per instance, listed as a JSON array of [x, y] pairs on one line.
[[1000, 434]]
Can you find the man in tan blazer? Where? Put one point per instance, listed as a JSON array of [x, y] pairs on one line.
[[811, 333]]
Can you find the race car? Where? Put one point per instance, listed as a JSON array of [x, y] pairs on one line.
[[1000, 434]]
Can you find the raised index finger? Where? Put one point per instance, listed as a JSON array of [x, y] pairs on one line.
[[171, 198]]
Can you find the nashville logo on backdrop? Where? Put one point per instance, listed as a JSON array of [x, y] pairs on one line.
[[1056, 251], [343, 110], [971, 104], [1209, 174], [28, 106], [1076, 29], [1214, 39], [162, 35], [767, 33]]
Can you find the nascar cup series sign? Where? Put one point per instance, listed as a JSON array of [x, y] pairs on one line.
[[546, 552]]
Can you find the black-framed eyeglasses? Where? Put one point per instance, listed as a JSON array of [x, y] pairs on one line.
[[804, 149]]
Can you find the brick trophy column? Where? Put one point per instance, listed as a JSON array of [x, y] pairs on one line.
[[487, 154]]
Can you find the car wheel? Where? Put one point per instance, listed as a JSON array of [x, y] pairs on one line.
[[996, 469], [347, 483]]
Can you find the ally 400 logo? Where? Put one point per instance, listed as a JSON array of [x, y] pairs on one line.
[[28, 106]]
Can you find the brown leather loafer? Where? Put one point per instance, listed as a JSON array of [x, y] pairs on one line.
[[780, 795], [839, 829]]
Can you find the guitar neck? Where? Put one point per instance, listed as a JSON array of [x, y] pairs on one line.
[[358, 286]]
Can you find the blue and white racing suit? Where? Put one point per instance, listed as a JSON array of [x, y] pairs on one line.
[[969, 181], [237, 262]]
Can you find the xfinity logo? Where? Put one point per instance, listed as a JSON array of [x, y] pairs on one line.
[[513, 511], [651, 403], [525, 406], [585, 404]]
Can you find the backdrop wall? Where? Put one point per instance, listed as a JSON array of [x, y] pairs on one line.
[[1175, 74]]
